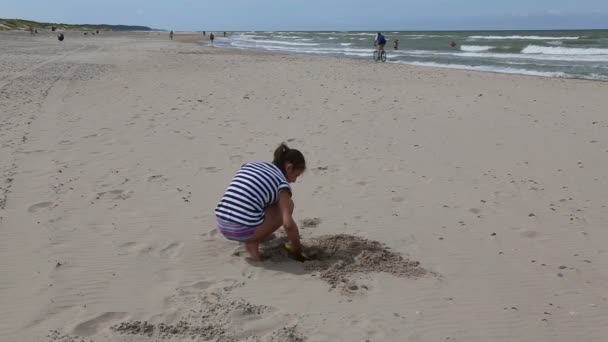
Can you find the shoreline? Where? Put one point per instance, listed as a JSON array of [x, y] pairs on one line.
[[530, 54], [205, 44]]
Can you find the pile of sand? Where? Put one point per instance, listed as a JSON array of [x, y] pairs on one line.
[[336, 258], [57, 336], [181, 329], [287, 334], [215, 317]]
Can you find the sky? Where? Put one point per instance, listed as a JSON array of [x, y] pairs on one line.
[[240, 15]]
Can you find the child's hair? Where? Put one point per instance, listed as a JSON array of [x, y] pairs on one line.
[[284, 154]]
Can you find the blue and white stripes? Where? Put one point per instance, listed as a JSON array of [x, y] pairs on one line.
[[255, 187]]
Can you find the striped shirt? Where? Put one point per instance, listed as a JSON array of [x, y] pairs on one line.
[[255, 187]]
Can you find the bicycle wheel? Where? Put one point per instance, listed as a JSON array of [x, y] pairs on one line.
[[383, 56], [375, 55]]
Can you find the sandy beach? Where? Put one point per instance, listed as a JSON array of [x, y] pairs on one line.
[[472, 205]]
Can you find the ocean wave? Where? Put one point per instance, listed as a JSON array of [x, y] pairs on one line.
[[558, 50], [476, 48], [309, 48], [485, 55], [346, 44], [305, 49], [288, 37], [502, 70], [523, 37], [597, 77], [280, 42], [421, 36]]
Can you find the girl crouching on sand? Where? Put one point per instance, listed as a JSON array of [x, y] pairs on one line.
[[258, 201]]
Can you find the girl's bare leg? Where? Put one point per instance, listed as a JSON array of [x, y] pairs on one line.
[[273, 220]]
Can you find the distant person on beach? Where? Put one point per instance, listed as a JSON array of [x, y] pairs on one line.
[[396, 46], [171, 34], [224, 33], [60, 37], [380, 41], [211, 38], [204, 33], [258, 202]]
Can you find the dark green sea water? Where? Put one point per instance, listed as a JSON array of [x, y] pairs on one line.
[[569, 54]]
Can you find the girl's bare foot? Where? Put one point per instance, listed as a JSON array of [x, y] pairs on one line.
[[253, 250]]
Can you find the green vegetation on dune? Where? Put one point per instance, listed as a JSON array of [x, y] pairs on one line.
[[20, 24]]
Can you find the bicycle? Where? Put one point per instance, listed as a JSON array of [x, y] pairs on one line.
[[380, 57]]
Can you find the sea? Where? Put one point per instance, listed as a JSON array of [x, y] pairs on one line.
[[568, 54]]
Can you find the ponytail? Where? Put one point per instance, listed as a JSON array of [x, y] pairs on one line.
[[283, 154]]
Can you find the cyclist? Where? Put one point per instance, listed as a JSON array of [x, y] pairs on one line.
[[380, 41]]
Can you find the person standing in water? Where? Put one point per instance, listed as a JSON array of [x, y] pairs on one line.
[[396, 46], [211, 38], [171, 34], [258, 201]]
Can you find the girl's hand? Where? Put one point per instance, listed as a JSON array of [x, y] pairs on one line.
[[291, 228]]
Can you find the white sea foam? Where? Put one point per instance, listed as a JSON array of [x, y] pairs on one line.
[[597, 77], [523, 37], [346, 44], [287, 37], [280, 42], [558, 50], [491, 69], [506, 56], [476, 48]]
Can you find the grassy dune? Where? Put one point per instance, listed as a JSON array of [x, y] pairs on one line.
[[21, 24]]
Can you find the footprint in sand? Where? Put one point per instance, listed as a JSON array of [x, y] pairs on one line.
[[157, 178], [213, 233], [39, 206], [310, 222], [93, 325], [128, 246], [211, 169], [172, 250], [475, 211], [530, 234], [116, 194], [398, 199], [202, 284]]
